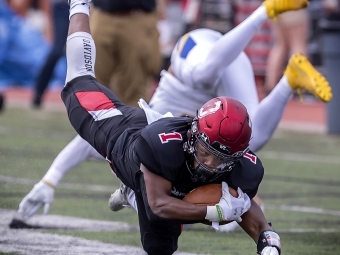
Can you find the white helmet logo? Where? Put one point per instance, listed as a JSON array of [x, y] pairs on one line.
[[210, 109]]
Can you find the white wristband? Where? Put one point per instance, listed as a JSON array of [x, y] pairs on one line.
[[212, 214], [79, 8]]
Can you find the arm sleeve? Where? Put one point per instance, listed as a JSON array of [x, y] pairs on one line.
[[80, 54], [219, 57], [227, 48]]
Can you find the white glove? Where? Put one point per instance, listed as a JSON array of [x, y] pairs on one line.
[[229, 208], [269, 250], [41, 194]]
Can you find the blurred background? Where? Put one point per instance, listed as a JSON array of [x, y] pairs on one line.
[[33, 63]]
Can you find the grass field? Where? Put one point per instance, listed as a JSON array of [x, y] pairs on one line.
[[301, 187]]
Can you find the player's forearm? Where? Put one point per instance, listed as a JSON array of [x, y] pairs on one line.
[[254, 222], [173, 208], [156, 191]]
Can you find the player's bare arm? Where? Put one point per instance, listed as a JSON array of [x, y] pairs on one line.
[[79, 23], [257, 227], [163, 205], [254, 222]]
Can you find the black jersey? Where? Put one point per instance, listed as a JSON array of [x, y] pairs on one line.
[[158, 146], [126, 140], [160, 149]]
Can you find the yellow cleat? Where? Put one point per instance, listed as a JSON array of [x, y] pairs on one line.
[[276, 7], [301, 75]]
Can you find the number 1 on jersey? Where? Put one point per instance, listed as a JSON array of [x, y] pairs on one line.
[[166, 137]]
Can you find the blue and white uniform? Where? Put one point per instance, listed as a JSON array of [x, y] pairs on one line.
[[189, 92]]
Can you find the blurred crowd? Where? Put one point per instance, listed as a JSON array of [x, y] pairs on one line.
[[33, 36]]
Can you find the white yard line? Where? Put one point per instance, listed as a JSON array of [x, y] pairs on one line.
[[34, 242], [102, 188], [64, 185], [308, 230], [304, 127], [304, 209], [300, 157]]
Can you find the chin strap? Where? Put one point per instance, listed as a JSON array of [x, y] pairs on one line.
[[194, 177]]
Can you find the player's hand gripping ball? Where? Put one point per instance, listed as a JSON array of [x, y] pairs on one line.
[[209, 194]]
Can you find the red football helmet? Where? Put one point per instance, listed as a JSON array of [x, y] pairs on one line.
[[223, 127]]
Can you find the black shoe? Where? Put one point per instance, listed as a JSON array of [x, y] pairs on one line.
[[36, 103], [2, 102]]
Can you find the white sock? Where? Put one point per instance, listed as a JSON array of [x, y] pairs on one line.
[[68, 158], [258, 17], [131, 198], [230, 227], [283, 88], [79, 6]]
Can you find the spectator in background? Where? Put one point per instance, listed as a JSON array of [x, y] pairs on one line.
[[38, 12], [290, 35], [217, 15], [332, 7], [127, 43], [2, 102], [170, 27], [59, 13], [23, 45]]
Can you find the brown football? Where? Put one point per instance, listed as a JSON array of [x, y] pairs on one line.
[[209, 194]]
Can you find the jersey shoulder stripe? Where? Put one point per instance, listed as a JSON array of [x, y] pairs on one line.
[[185, 46]]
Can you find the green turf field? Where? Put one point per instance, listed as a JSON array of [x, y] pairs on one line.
[[301, 187]]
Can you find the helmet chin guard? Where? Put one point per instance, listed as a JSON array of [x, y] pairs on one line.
[[202, 173], [223, 128]]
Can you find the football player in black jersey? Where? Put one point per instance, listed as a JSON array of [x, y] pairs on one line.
[[165, 160]]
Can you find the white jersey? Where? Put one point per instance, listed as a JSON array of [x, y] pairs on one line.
[[190, 93], [178, 98]]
